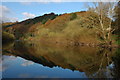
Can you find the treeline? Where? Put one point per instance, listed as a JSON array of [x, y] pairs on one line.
[[20, 29]]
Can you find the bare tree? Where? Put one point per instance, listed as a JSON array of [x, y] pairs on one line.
[[104, 10]]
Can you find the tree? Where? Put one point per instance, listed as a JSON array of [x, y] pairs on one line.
[[117, 18], [104, 10]]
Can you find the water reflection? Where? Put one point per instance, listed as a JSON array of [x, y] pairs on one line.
[[27, 63], [95, 62], [116, 67]]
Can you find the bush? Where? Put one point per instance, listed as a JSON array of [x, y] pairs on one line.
[[6, 37], [73, 16]]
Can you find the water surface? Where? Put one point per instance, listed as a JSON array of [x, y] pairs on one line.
[[41, 60]]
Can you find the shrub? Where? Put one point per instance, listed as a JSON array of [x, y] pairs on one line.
[[73, 16], [6, 37]]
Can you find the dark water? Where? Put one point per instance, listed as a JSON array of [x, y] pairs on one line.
[[36, 60]]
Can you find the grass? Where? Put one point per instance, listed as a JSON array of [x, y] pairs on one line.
[[7, 37], [66, 29], [72, 27]]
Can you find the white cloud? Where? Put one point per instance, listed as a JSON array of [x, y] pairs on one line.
[[8, 19], [14, 19], [3, 10], [5, 14], [4, 65], [27, 63], [28, 15]]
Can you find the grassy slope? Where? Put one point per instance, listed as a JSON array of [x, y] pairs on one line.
[[26, 27], [72, 28], [64, 30]]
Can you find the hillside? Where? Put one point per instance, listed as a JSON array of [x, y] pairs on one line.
[[7, 37], [73, 28], [21, 29]]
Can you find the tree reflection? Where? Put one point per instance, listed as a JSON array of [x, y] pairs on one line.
[[104, 71], [94, 61], [116, 67]]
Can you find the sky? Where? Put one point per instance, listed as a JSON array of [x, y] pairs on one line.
[[19, 11]]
